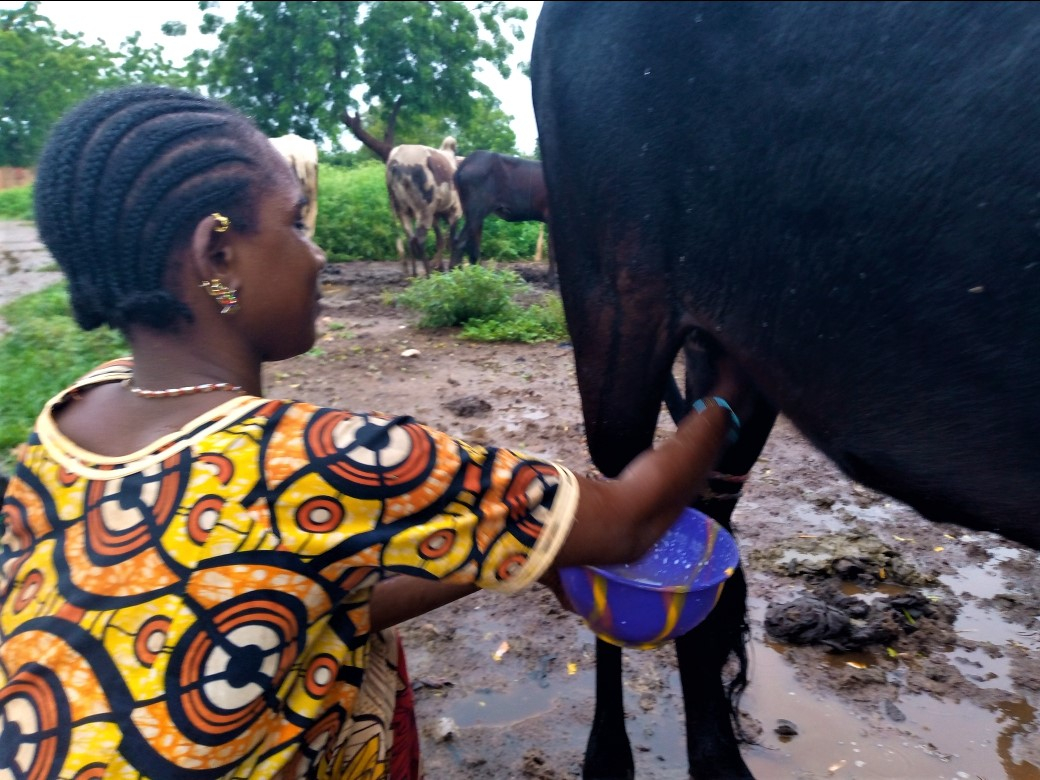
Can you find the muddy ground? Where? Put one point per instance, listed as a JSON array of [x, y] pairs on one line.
[[930, 668]]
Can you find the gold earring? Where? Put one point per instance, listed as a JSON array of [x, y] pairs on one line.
[[226, 296], [223, 223]]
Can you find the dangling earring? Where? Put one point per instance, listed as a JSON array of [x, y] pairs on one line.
[[226, 296], [223, 223]]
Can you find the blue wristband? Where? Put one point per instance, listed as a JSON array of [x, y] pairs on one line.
[[734, 422]]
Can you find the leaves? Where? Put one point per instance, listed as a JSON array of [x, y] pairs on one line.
[[296, 66], [47, 71], [293, 66]]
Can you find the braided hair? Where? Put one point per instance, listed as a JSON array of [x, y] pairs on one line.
[[122, 182]]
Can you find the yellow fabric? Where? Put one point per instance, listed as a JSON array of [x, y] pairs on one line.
[[203, 604]]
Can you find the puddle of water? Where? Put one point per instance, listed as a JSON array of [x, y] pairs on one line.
[[523, 700], [986, 625], [810, 519], [983, 743], [982, 669], [982, 581], [939, 739], [878, 513]]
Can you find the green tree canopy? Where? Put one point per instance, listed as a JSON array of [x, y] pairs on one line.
[[46, 71], [407, 69], [410, 65]]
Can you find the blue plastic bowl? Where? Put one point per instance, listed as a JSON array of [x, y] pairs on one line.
[[662, 595]]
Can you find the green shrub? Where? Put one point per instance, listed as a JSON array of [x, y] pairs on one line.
[[485, 301], [469, 292], [531, 324], [17, 203], [506, 241], [354, 217], [43, 353]]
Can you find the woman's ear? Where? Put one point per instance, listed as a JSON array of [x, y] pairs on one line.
[[212, 247]]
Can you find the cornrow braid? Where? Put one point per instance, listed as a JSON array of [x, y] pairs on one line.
[[122, 181]]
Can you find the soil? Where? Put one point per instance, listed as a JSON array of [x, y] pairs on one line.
[[897, 648]]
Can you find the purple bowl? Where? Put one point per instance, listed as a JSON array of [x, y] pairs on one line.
[[662, 595]]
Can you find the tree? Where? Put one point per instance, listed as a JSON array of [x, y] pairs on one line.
[[420, 66], [46, 71], [301, 66], [488, 128], [135, 64], [289, 65]]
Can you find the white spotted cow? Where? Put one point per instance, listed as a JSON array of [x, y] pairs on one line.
[[421, 185], [302, 155]]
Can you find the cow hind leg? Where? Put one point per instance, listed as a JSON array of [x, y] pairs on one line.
[[438, 250], [417, 248], [454, 228], [712, 746], [474, 247], [460, 245]]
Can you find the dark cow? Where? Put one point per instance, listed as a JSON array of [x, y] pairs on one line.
[[421, 185], [846, 198], [508, 187]]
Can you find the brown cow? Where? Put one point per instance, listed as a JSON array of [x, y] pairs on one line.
[[420, 182]]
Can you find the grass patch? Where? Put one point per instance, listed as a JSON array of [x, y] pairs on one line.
[[527, 324], [17, 203], [487, 303], [43, 353]]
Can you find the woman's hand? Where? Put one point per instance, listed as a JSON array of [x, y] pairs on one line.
[[732, 384], [551, 580]]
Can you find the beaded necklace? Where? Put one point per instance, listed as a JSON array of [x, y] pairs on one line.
[[174, 392]]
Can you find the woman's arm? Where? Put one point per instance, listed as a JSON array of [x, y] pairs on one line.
[[617, 521], [402, 598]]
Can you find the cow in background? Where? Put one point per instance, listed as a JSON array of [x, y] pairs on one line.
[[421, 184], [302, 155], [843, 197], [511, 188]]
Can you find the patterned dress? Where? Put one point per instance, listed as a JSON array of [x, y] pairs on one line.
[[200, 608]]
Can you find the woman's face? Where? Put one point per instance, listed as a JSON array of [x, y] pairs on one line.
[[279, 292]]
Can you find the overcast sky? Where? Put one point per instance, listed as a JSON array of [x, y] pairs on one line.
[[113, 21]]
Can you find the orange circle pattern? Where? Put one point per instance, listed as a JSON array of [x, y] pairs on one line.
[[191, 606]]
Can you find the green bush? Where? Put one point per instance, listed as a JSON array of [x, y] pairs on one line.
[[44, 352], [17, 203], [530, 324], [354, 217], [469, 292], [355, 221], [508, 240], [485, 302]]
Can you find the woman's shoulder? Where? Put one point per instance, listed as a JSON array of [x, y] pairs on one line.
[[116, 370]]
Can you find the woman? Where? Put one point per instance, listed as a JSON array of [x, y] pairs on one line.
[[200, 580]]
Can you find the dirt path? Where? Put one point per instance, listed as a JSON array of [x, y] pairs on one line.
[[25, 264], [504, 685]]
